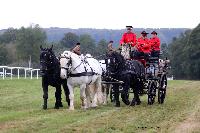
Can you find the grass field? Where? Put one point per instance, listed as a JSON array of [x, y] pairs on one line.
[[21, 111]]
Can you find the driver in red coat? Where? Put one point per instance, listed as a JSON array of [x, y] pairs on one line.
[[129, 37]]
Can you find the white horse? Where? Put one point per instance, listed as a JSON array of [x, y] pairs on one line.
[[83, 71]]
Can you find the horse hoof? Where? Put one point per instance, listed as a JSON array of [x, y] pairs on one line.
[[71, 108], [84, 107], [117, 104], [61, 105], [56, 107], [138, 102], [44, 107], [127, 102], [104, 103], [132, 103], [94, 106]]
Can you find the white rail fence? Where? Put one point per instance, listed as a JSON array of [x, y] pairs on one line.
[[20, 72]]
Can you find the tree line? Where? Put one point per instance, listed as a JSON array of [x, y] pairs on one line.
[[18, 46], [184, 53]]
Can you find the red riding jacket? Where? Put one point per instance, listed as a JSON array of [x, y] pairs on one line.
[[155, 44], [128, 38], [143, 45]]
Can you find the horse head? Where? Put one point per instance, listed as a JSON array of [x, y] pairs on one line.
[[65, 63], [46, 60], [115, 62]]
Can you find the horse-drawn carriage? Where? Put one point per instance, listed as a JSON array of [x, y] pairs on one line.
[[150, 80], [119, 74]]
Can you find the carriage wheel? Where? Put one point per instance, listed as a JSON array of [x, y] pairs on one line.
[[151, 92], [162, 89]]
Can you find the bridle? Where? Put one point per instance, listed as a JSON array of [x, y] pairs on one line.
[[68, 64], [47, 63]]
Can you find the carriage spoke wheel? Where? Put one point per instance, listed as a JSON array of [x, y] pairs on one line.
[[162, 89], [151, 92]]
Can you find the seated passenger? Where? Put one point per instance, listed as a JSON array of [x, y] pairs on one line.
[[155, 44], [110, 48], [143, 46]]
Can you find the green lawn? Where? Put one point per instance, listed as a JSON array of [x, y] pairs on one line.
[[21, 111]]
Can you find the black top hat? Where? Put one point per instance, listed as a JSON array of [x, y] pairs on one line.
[[129, 27], [111, 41], [78, 43], [154, 32], [144, 32]]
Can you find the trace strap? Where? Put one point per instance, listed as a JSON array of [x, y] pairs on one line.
[[82, 74]]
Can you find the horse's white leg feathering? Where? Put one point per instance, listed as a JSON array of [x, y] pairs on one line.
[[83, 96], [71, 97]]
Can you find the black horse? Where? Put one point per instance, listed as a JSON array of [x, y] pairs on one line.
[[131, 72], [50, 72]]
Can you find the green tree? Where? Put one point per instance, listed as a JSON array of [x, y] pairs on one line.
[[8, 36], [193, 54], [101, 47], [4, 60], [165, 50], [28, 41], [87, 44], [69, 40], [180, 56]]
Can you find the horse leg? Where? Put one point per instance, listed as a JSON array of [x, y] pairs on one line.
[[116, 95], [109, 87], [136, 94], [66, 90], [124, 94], [71, 96], [104, 90], [45, 95], [136, 99], [83, 96], [99, 93], [89, 94], [58, 93]]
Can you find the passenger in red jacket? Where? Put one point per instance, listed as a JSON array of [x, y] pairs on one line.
[[155, 44], [129, 37], [143, 44], [143, 48]]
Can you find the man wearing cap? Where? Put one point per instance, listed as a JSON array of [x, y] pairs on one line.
[[110, 47], [129, 37], [155, 44], [76, 49], [127, 42]]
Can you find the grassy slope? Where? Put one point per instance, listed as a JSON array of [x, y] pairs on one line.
[[21, 100]]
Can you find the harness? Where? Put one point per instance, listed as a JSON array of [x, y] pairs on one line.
[[86, 73]]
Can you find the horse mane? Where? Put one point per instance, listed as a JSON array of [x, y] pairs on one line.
[[119, 58]]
